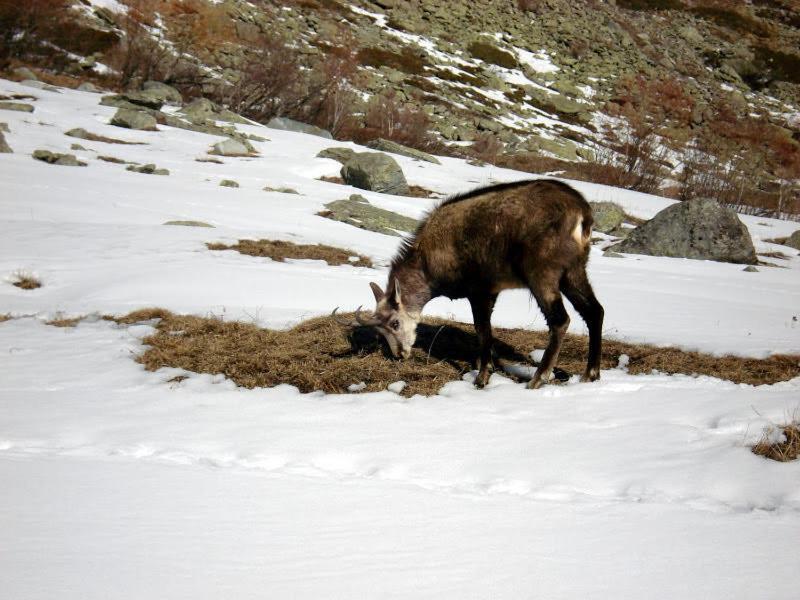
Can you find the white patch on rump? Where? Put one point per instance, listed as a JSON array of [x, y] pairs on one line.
[[577, 233]]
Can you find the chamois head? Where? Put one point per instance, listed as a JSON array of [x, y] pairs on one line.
[[391, 319]]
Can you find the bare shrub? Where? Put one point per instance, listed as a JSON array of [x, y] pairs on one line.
[[25, 281], [487, 148], [386, 117], [23, 25]]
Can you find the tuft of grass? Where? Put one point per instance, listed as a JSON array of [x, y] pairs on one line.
[[782, 450], [4, 317], [280, 251], [320, 354], [332, 179], [25, 281], [65, 322]]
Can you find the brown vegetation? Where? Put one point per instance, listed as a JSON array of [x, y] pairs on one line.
[[26, 281], [320, 354], [280, 250], [782, 451], [64, 322], [5, 317]]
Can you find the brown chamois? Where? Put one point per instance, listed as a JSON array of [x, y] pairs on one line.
[[528, 234]]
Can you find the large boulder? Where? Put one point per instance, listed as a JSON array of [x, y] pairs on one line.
[[700, 229], [395, 148], [285, 124], [608, 216], [134, 119], [233, 147], [793, 241], [133, 99], [357, 211], [376, 172], [17, 106], [166, 93], [339, 154]]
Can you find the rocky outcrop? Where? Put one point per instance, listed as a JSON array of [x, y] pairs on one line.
[[4, 147], [133, 100], [608, 216], [375, 172], [134, 119], [341, 155], [54, 158], [148, 169], [700, 229], [16, 106], [357, 211], [793, 241], [166, 93]]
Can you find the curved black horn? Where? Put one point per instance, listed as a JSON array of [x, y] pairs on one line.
[[366, 322], [342, 321]]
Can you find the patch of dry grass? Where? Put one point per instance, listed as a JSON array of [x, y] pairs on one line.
[[25, 281], [332, 179], [320, 354], [280, 250], [783, 451], [64, 322], [4, 317]]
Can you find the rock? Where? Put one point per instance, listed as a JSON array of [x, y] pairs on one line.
[[200, 109], [134, 119], [612, 254], [282, 190], [77, 147], [341, 155], [40, 85], [166, 93], [376, 172], [208, 127], [17, 106], [133, 100], [607, 216], [88, 86], [357, 211], [233, 147], [54, 158], [189, 223], [793, 241], [4, 128], [229, 183], [700, 229], [148, 169], [750, 269], [4, 147], [285, 124], [25, 73], [395, 148]]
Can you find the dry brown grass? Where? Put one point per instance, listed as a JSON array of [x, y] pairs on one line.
[[782, 451], [25, 281], [65, 322], [332, 179], [320, 354], [4, 317], [280, 250]]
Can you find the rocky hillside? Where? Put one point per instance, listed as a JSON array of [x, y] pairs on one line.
[[545, 78]]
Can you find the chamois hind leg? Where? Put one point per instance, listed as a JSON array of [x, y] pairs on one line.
[[576, 287], [548, 297], [482, 307]]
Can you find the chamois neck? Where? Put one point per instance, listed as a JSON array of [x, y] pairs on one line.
[[415, 292]]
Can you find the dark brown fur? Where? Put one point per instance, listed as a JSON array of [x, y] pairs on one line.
[[532, 234]]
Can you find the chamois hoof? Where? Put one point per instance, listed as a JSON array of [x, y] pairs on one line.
[[481, 380], [590, 375]]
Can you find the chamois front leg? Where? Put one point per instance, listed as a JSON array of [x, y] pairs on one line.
[[578, 291], [482, 307]]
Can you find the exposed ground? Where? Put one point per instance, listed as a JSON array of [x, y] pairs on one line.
[[280, 250], [320, 354], [782, 450]]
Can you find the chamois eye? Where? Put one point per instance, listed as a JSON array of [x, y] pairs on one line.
[[395, 324]]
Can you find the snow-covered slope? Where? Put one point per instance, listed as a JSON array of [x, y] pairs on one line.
[[119, 484]]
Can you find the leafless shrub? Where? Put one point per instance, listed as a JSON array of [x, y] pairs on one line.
[[25, 281]]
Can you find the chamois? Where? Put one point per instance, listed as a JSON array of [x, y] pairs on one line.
[[527, 234]]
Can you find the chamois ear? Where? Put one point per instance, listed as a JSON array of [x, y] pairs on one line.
[[376, 290], [397, 299]]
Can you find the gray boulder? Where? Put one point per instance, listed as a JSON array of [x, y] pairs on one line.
[[17, 106], [793, 241], [229, 183], [148, 169], [54, 158], [395, 148], [4, 127], [357, 211], [341, 155], [700, 229], [87, 86], [25, 73], [134, 119], [200, 109], [40, 85], [133, 100], [4, 147], [233, 147], [608, 216], [375, 172], [285, 124], [166, 93]]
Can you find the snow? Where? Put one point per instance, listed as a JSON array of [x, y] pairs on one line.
[[121, 483]]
